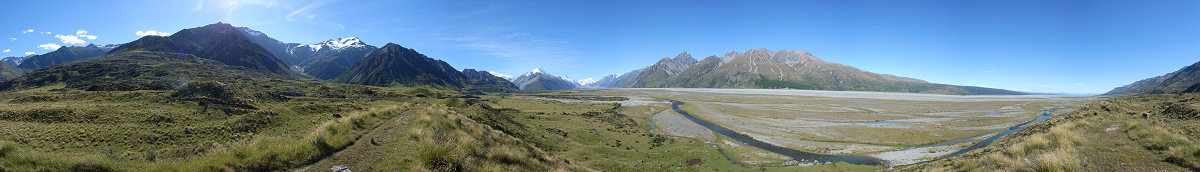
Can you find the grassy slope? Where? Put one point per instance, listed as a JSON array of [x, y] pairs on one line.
[[140, 110], [759, 71], [594, 134], [440, 138], [175, 142], [180, 136], [1104, 135], [1182, 80], [8, 71]]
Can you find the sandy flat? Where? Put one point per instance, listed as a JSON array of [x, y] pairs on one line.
[[675, 124]]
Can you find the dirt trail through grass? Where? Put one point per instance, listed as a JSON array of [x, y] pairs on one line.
[[366, 149]]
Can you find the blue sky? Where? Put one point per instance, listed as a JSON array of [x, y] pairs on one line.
[[1041, 46]]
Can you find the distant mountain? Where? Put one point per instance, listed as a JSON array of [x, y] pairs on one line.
[[539, 80], [486, 82], [761, 68], [327, 60], [323, 60], [234, 48], [14, 61], [604, 82], [588, 81], [279, 49], [215, 52], [63, 55], [1184, 80], [657, 75], [220, 42], [399, 66], [8, 72]]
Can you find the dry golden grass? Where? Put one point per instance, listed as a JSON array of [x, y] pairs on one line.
[[1053, 150], [449, 141]]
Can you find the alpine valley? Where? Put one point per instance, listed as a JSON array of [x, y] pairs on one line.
[[220, 97]]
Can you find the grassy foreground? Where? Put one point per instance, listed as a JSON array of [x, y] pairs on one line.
[[259, 152], [1157, 132]]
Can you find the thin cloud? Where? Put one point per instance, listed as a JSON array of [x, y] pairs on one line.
[[82, 34], [12, 39], [199, 5], [49, 46], [26, 31], [151, 32], [29, 53], [46, 33], [70, 39], [1078, 84], [521, 47], [233, 5], [7, 50], [302, 12], [476, 31]]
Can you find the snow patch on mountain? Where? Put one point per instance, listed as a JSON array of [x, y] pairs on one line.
[[587, 81], [335, 44], [501, 75]]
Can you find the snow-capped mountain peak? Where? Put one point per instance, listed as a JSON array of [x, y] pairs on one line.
[[539, 71], [539, 79], [587, 81], [335, 44], [501, 75], [341, 43]]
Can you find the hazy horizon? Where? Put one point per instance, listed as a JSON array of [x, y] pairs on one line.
[[1032, 46]]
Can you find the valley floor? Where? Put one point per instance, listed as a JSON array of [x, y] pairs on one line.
[[1134, 133], [52, 129], [901, 128]]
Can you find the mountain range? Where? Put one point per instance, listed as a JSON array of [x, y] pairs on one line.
[[14, 61], [761, 68], [211, 53], [16, 66], [238, 53], [63, 55], [1184, 80], [350, 60], [324, 60], [539, 80], [653, 76], [395, 65]]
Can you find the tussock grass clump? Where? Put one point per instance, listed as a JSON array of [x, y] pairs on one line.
[[1179, 149], [1164, 125], [261, 153], [450, 141], [15, 158], [1054, 149], [1051, 151], [274, 153], [1058, 160]]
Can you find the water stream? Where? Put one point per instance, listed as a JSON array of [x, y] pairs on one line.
[[854, 159], [792, 153], [1045, 114]]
